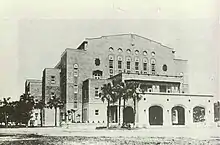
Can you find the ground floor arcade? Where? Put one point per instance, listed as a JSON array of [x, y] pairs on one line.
[[166, 110]]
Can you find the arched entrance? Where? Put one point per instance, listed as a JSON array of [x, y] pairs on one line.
[[128, 115], [198, 114], [156, 115], [178, 115]]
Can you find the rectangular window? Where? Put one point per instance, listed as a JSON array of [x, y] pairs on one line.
[[128, 65], [163, 89], [75, 104], [110, 63], [119, 64], [96, 92], [75, 89], [75, 96], [52, 79], [52, 94], [75, 79], [153, 69], [96, 112], [145, 66], [136, 65]]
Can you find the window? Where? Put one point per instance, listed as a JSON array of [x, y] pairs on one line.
[[153, 66], [110, 63], [52, 95], [153, 69], [145, 66], [75, 71], [128, 51], [75, 89], [128, 65], [163, 89], [97, 61], [75, 96], [136, 52], [153, 53], [119, 64], [119, 50], [96, 92], [53, 80], [97, 74], [111, 71], [111, 49], [164, 67], [96, 112], [136, 65], [75, 105], [145, 52], [75, 79]]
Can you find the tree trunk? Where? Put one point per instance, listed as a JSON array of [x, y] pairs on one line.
[[119, 113], [55, 116], [41, 121], [123, 112], [134, 110], [108, 114], [6, 120]]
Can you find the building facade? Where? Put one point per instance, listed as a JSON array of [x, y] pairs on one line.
[[50, 88], [130, 57], [33, 88], [163, 79]]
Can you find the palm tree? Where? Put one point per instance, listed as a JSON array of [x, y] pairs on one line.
[[108, 95], [120, 91], [133, 91], [5, 109], [55, 103]]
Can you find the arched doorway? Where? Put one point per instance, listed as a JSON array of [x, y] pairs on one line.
[[198, 114], [178, 115], [156, 115], [128, 115]]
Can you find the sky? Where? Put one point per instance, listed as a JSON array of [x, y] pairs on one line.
[[33, 35]]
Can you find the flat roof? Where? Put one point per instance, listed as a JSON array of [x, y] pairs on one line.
[[177, 94]]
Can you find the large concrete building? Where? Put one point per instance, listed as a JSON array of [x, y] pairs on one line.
[[128, 57], [33, 88], [50, 88]]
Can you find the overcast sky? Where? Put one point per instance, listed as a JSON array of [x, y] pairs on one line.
[[33, 35]]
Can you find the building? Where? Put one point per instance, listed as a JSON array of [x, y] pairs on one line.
[[34, 88], [50, 88], [129, 57], [163, 79]]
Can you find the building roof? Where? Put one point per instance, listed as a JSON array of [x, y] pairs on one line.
[[131, 35], [33, 80]]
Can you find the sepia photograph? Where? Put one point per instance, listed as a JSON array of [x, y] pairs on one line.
[[110, 72]]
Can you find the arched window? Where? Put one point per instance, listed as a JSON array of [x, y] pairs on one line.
[[178, 115], [136, 52], [119, 50], [156, 115], [111, 65], [128, 51], [136, 64], [153, 66], [145, 61], [128, 63], [111, 49], [119, 62], [144, 52]]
